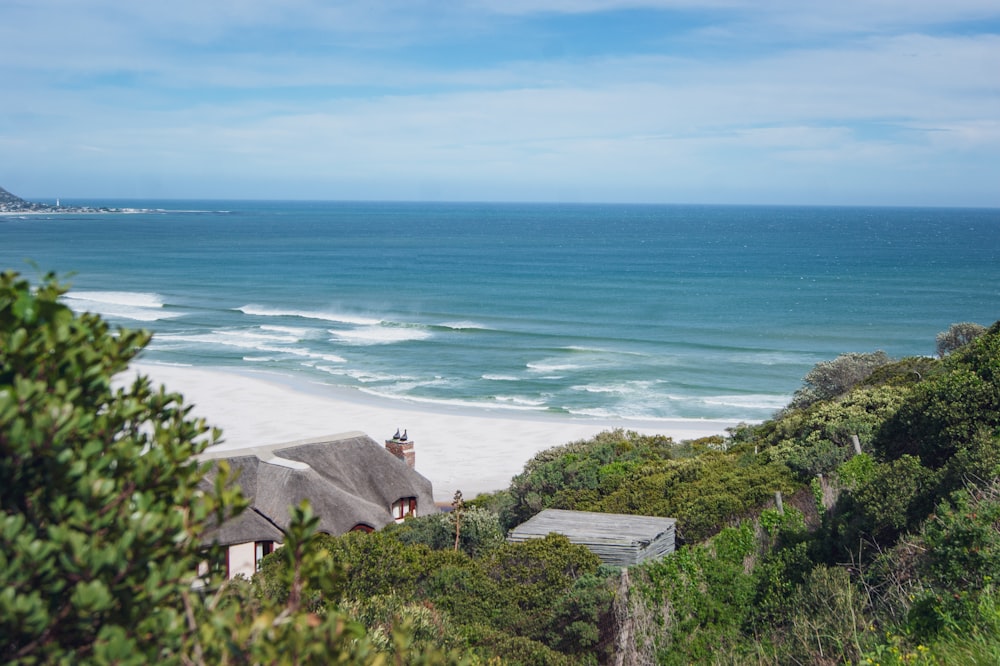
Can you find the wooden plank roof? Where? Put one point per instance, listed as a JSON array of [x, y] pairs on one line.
[[593, 525], [618, 539]]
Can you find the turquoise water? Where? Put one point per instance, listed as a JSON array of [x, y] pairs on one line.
[[601, 310]]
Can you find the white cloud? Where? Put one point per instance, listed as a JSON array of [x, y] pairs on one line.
[[105, 90]]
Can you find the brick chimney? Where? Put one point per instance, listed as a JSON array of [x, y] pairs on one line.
[[402, 448]]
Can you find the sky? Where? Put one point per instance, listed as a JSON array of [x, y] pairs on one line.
[[846, 102]]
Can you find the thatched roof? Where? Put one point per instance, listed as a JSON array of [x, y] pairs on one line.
[[250, 525], [349, 480], [618, 539]]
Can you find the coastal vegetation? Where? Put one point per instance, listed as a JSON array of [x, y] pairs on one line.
[[861, 524]]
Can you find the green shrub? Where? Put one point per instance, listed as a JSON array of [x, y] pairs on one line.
[[479, 530], [830, 379], [703, 594], [576, 475], [829, 620], [896, 497]]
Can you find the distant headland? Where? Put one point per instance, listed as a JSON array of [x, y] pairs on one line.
[[11, 204]]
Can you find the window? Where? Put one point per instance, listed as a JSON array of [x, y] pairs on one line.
[[403, 507], [261, 549]]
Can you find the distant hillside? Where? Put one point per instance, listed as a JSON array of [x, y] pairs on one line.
[[10, 203]]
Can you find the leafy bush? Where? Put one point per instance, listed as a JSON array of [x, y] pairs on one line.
[[703, 594], [101, 508], [568, 476], [704, 493], [948, 413], [830, 379], [480, 530], [538, 592], [817, 439], [857, 471], [582, 622], [962, 540], [944, 414], [534, 576], [887, 501], [904, 372], [957, 336]]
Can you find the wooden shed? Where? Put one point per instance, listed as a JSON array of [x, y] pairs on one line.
[[618, 539]]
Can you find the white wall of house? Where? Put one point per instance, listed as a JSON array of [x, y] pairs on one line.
[[242, 560]]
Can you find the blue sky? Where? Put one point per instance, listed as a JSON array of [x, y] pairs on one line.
[[888, 102]]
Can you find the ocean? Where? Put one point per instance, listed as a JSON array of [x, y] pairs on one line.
[[612, 311]]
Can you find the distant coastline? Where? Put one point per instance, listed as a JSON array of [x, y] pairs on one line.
[[11, 204]]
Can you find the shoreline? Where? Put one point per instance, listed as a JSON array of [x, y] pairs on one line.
[[457, 447], [67, 210]]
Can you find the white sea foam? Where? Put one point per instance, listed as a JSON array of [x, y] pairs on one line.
[[579, 349], [253, 335], [644, 399], [247, 340], [306, 353], [214, 338], [622, 388], [297, 331], [453, 402], [463, 325], [261, 311], [598, 413], [520, 400], [501, 378], [771, 358], [587, 388], [138, 306], [133, 298], [380, 335], [753, 401], [551, 366], [358, 375], [411, 383]]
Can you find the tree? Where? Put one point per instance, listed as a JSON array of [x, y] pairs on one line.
[[957, 335], [101, 508], [830, 379]]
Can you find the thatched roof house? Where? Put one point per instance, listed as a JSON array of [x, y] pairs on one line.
[[618, 539], [350, 480]]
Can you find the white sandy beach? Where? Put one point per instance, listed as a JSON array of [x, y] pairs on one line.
[[465, 449]]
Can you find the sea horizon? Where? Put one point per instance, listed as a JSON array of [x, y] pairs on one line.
[[117, 201]]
